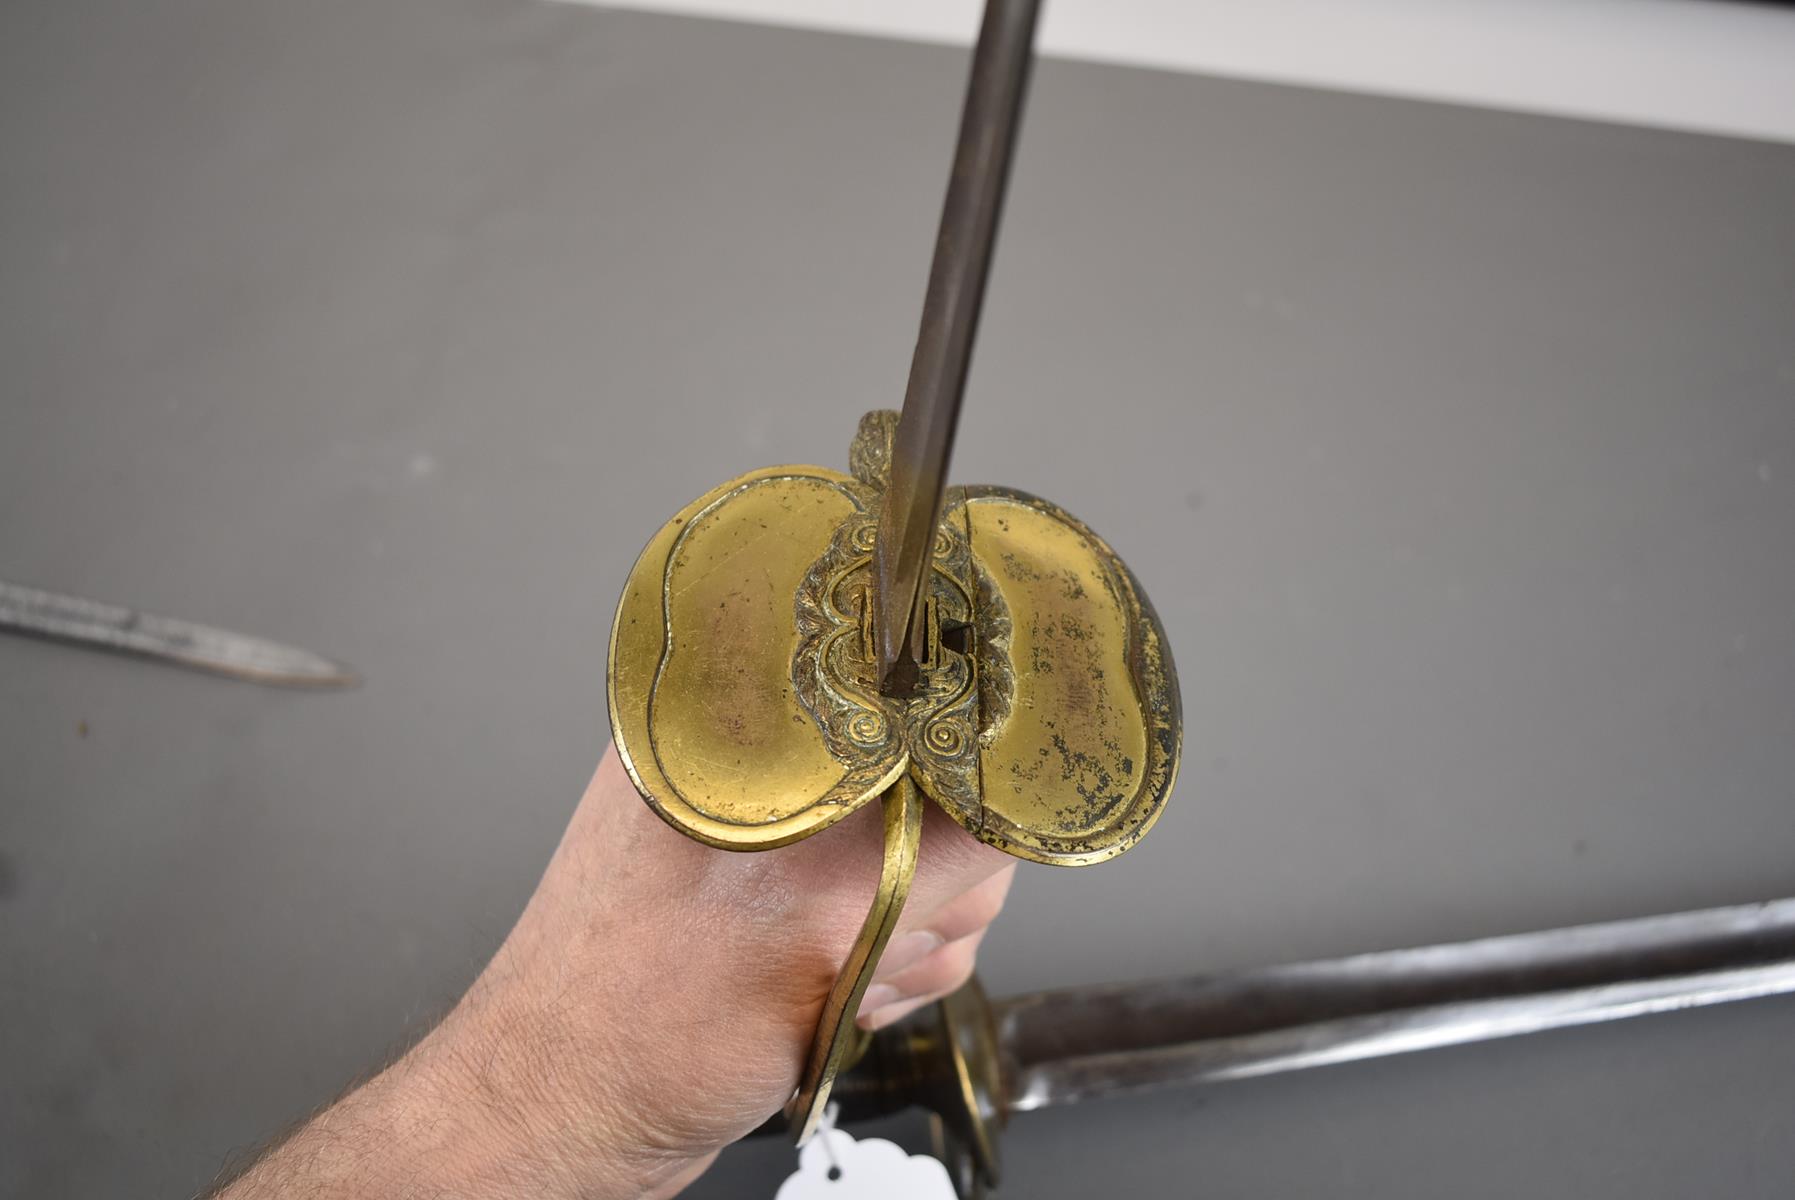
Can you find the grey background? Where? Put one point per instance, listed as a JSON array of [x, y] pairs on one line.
[[1457, 450]]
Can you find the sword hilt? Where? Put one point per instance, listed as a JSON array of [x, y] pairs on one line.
[[944, 1059]]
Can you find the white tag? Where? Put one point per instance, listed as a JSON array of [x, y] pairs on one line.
[[833, 1166]]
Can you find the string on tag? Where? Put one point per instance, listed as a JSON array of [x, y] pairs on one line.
[[834, 1165], [824, 1128]]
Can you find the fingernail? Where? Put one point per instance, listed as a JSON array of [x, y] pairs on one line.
[[906, 950], [877, 997]]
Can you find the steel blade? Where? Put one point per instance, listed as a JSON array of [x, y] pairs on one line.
[[924, 440], [1075, 1044], [83, 622]]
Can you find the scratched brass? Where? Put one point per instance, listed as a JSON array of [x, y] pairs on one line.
[[742, 670], [703, 706], [1081, 769]]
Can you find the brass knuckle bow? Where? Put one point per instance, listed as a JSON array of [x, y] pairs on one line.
[[745, 705]]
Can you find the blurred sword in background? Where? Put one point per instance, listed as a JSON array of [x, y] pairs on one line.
[[82, 622]]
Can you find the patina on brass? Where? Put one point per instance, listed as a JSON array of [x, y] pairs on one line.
[[743, 673], [744, 683]]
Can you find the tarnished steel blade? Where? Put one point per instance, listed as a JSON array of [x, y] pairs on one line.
[[1065, 1046], [84, 622], [925, 434]]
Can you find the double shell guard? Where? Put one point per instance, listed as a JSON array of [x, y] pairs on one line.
[[744, 698], [742, 674]]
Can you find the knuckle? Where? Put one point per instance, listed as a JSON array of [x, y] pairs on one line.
[[942, 971], [983, 904], [974, 910]]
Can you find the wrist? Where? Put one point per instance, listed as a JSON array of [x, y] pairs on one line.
[[445, 1121], [531, 1104]]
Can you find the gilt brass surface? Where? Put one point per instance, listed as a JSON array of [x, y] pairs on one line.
[[703, 707], [970, 1038], [743, 673], [1080, 769], [839, 1042]]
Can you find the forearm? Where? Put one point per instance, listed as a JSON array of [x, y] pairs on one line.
[[611, 993], [433, 1124], [654, 1003]]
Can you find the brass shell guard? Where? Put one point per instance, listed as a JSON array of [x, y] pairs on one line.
[[1048, 724]]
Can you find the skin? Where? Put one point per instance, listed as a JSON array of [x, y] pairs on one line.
[[653, 1004]]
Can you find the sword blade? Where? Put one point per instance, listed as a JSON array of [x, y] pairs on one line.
[[74, 619], [925, 433], [1076, 1044]]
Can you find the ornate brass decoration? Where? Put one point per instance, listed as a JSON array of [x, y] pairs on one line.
[[745, 703], [966, 675], [742, 688]]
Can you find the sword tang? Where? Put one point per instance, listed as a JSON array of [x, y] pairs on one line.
[[925, 433]]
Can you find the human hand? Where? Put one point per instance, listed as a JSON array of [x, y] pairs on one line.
[[654, 1003]]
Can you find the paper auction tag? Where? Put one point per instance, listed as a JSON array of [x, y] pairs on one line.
[[834, 1166]]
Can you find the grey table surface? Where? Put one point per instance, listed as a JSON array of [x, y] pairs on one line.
[[1457, 450]]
